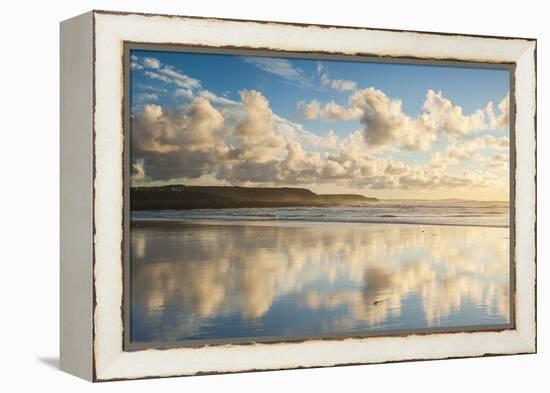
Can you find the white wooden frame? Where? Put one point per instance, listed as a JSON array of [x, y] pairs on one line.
[[92, 143]]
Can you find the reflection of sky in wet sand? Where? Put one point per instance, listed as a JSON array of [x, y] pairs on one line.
[[229, 281]]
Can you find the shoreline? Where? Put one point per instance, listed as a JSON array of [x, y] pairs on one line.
[[288, 223]]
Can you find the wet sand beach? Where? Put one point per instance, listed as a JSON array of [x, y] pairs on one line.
[[274, 280]]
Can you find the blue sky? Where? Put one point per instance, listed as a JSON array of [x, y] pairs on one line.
[[290, 84], [469, 86]]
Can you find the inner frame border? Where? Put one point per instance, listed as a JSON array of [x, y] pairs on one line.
[[128, 46]]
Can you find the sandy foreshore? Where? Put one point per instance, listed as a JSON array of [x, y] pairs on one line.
[[207, 279]]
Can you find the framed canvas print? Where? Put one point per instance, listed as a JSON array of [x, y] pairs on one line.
[[246, 195]]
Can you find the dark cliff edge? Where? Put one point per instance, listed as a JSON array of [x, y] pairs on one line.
[[180, 197]]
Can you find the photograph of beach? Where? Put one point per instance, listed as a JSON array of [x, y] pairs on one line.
[[275, 199]]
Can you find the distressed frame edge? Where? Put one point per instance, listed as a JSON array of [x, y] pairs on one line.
[[304, 24], [526, 133], [528, 339]]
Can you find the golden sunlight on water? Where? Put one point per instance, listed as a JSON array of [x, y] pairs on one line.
[[191, 281]]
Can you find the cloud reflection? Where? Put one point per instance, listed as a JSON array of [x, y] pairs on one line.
[[208, 281]]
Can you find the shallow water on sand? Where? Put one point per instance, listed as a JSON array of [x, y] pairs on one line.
[[279, 280], [445, 212]]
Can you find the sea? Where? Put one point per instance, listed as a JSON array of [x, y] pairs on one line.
[[441, 212]]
